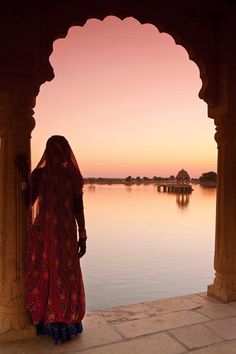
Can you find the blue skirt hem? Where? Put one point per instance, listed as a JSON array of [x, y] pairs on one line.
[[59, 331]]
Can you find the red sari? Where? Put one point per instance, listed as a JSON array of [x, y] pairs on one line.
[[54, 284]]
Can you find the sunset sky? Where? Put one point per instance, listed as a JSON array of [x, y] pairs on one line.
[[126, 98]]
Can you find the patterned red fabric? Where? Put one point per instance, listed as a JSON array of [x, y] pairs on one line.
[[54, 284]]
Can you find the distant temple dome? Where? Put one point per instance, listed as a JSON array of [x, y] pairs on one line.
[[182, 177]]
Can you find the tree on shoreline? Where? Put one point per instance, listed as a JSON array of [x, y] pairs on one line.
[[128, 179], [208, 177]]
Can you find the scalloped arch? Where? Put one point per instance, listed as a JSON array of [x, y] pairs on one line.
[[162, 28]]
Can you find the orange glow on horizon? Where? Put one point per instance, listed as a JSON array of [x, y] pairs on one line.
[[126, 98]]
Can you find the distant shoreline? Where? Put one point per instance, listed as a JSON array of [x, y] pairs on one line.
[[110, 181]]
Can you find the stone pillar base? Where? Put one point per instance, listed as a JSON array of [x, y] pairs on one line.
[[15, 335], [222, 291], [15, 324]]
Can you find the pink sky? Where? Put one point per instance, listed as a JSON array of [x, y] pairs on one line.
[[126, 98]]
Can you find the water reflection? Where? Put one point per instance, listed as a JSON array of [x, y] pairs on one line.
[[182, 200], [91, 187], [141, 248], [128, 187], [207, 191]]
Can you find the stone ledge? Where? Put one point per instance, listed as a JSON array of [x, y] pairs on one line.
[[191, 323]]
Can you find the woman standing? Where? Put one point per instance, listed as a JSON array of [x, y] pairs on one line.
[[54, 286]]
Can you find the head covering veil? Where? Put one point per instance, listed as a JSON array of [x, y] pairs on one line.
[[59, 165], [57, 156]]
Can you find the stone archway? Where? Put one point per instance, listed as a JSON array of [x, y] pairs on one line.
[[204, 29]]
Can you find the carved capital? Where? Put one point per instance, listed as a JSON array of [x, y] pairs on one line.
[[16, 83], [225, 135], [17, 99]]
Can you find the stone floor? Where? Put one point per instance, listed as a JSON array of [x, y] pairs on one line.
[[187, 324]]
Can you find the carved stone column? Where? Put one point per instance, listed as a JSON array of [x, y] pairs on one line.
[[17, 98], [224, 286]]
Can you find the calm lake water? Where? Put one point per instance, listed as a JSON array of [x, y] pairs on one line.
[[145, 245]]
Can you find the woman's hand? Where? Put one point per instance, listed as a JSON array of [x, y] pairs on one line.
[[81, 247]]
